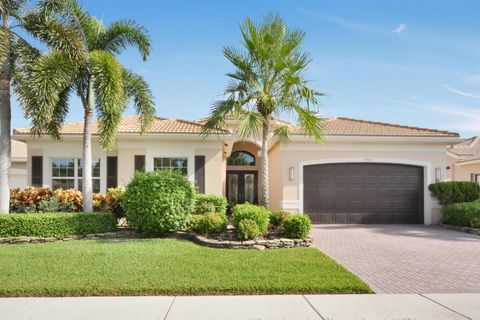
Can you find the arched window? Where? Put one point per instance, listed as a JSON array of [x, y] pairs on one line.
[[241, 158]]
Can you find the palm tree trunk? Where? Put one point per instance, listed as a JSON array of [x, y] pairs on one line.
[[87, 150], [264, 201], [5, 122]]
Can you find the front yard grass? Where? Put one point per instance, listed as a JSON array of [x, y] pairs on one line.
[[166, 267]]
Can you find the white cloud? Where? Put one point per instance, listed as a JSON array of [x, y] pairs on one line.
[[344, 23], [460, 92], [401, 27], [459, 117]]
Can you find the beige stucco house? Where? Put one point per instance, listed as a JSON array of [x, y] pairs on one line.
[[18, 170], [364, 171], [464, 161]]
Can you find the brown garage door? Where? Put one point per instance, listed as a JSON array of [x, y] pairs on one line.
[[363, 193]]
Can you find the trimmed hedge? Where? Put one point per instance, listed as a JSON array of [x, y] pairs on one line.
[[206, 224], [204, 202], [465, 214], [158, 202], [55, 224], [297, 226], [449, 192], [278, 217], [248, 229], [259, 214]]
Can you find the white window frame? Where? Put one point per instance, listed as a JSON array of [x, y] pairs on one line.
[[76, 178], [170, 167]]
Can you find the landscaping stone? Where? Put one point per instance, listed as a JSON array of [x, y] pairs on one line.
[[225, 239], [459, 228]]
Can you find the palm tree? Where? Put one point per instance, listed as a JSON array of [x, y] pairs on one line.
[[268, 80], [84, 64], [11, 46]]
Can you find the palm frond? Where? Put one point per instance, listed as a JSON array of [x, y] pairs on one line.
[[282, 134], [122, 34], [136, 88], [312, 125], [248, 124], [11, 7], [5, 41], [57, 36], [107, 75], [43, 87], [218, 115]]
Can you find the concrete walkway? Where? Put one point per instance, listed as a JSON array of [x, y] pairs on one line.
[[405, 258], [298, 307]]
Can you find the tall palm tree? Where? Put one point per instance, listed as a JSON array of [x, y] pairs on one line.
[[268, 80], [86, 65], [11, 46]]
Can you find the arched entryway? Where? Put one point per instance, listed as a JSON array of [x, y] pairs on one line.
[[242, 173]]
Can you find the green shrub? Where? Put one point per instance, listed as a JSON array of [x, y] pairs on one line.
[[465, 214], [158, 202], [205, 201], [52, 205], [55, 224], [278, 217], [207, 223], [297, 226], [248, 229], [258, 214], [204, 208], [448, 192]]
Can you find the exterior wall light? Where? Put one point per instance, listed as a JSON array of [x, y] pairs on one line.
[[438, 174], [291, 171]]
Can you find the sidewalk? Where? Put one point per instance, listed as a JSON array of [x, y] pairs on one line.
[[382, 306]]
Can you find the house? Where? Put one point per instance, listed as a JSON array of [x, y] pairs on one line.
[[364, 171], [464, 160], [18, 170]]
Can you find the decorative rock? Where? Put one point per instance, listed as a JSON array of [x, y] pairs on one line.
[[248, 242], [258, 247]]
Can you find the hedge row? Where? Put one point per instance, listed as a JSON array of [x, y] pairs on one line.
[[465, 214], [55, 224], [449, 192]]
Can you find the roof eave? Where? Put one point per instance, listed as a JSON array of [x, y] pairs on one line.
[[362, 138]]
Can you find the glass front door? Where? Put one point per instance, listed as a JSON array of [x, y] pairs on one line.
[[242, 187]]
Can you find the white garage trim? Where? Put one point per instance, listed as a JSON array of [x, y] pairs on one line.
[[427, 175]]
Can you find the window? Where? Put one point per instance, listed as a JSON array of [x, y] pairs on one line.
[[177, 164], [67, 173], [241, 158]]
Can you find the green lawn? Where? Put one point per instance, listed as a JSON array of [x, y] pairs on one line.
[[166, 267]]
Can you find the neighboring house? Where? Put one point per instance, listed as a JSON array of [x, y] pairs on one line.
[[18, 171], [464, 161], [364, 172]]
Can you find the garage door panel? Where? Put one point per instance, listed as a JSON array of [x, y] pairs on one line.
[[363, 193]]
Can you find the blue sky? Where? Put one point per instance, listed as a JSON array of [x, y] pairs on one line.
[[410, 62]]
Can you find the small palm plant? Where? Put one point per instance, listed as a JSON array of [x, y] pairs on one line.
[[83, 63], [268, 80]]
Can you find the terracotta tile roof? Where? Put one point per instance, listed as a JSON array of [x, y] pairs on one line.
[[467, 150], [351, 127], [131, 124]]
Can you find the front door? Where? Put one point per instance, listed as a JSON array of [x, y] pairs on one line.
[[242, 187]]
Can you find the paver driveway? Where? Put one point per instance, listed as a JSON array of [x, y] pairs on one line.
[[405, 258]]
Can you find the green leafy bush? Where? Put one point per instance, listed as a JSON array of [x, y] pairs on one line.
[[259, 214], [55, 224], [248, 229], [204, 208], [52, 205], [448, 192], [278, 217], [158, 202], [465, 214], [110, 201], [204, 203], [297, 226], [206, 224]]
